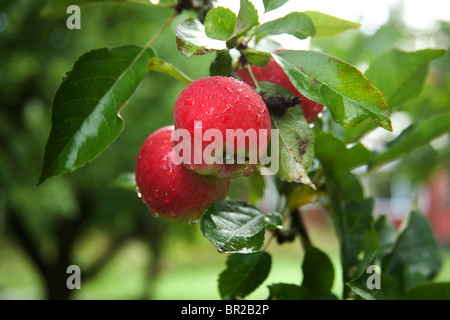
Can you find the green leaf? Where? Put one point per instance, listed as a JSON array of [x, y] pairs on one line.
[[237, 227], [350, 188], [390, 288], [85, 110], [272, 89], [256, 186], [415, 136], [400, 75], [355, 134], [270, 5], [244, 274], [327, 26], [360, 241], [295, 23], [352, 218], [159, 65], [192, 40], [221, 65], [429, 291], [318, 272], [416, 251], [220, 23], [258, 58], [247, 18], [334, 155], [285, 291], [386, 235], [296, 146], [125, 181], [339, 86], [362, 291]]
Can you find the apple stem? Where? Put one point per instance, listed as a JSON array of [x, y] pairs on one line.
[[160, 31], [252, 76]]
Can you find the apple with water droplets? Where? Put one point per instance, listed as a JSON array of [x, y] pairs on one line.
[[273, 73], [170, 190], [227, 125]]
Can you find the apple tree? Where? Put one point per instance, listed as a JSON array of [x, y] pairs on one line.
[[320, 106]]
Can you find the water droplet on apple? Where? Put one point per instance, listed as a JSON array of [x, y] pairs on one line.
[[138, 192], [193, 221]]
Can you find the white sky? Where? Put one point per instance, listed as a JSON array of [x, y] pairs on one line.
[[418, 14]]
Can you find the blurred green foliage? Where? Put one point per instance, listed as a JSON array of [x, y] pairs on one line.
[[36, 52]]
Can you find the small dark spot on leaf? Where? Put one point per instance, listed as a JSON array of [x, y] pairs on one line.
[[302, 146]]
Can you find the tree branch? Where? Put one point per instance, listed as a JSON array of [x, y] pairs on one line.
[[299, 226], [25, 239]]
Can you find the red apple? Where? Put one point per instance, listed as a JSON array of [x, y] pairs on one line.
[[222, 105], [274, 73], [170, 190]]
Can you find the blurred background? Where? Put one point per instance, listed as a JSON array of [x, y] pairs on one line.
[[82, 218]]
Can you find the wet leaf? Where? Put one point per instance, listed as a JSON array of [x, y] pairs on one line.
[[192, 40], [339, 86], [237, 227], [296, 146], [296, 23], [85, 109], [244, 274], [220, 23]]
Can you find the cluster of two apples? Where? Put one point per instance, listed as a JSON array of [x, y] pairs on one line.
[[183, 191]]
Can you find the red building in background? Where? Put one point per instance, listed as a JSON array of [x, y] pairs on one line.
[[437, 204]]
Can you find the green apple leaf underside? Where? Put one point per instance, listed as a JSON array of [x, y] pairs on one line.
[[296, 146]]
